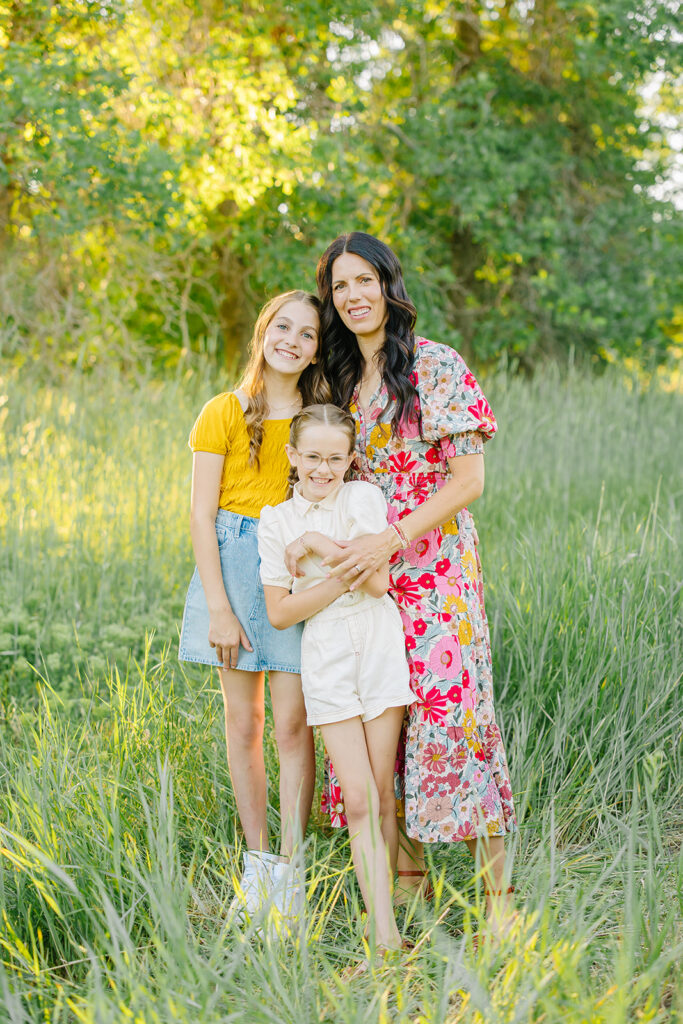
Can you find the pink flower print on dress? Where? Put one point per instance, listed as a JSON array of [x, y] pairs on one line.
[[434, 757], [409, 427], [417, 670], [450, 583], [406, 591], [439, 807], [401, 465], [466, 831], [424, 550], [459, 758], [431, 786], [482, 411], [505, 791], [417, 487], [491, 799], [406, 622], [445, 660], [432, 704], [492, 739], [463, 696]]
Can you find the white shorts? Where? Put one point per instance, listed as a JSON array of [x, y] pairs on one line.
[[353, 661]]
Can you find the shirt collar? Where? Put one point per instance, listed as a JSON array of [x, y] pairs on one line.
[[303, 506]]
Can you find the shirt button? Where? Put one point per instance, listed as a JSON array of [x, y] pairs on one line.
[[316, 506]]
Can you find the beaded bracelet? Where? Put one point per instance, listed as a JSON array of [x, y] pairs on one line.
[[401, 535]]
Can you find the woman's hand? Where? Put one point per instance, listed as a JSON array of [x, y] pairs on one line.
[[226, 635], [362, 556]]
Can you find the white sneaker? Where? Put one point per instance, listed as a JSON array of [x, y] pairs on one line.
[[255, 887], [289, 885]]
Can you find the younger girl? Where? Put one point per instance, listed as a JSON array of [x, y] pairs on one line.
[[354, 669], [239, 466]]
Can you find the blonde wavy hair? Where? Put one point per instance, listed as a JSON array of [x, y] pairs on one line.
[[312, 384], [327, 415]]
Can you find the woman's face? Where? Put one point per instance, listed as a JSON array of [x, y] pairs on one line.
[[357, 296]]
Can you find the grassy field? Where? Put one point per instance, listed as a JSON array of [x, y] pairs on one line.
[[118, 835]]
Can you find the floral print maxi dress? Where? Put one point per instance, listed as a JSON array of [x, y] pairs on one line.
[[454, 773]]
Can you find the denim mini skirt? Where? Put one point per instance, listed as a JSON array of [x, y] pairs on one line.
[[277, 649]]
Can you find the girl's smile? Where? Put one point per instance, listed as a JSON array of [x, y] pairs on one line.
[[290, 342], [321, 459]]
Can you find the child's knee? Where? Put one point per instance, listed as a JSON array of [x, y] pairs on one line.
[[245, 725], [361, 802], [291, 734], [387, 801]]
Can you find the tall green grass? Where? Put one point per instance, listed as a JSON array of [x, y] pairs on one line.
[[118, 832]]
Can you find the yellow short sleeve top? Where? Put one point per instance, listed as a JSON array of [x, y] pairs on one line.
[[220, 428]]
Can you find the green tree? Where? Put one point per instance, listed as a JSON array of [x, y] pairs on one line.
[[170, 169]]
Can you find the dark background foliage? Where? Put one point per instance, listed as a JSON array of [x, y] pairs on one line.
[[162, 173]]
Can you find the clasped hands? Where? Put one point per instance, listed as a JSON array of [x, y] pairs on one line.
[[351, 561]]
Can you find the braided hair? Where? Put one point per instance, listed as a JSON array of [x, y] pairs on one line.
[[327, 415]]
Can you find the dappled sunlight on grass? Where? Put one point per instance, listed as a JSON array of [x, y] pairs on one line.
[[119, 842]]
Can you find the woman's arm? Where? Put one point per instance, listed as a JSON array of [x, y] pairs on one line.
[[314, 543], [377, 583], [225, 631], [465, 485], [285, 609]]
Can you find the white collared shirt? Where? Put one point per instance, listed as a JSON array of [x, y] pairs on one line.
[[355, 508]]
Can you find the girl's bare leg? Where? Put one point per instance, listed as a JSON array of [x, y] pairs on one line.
[[382, 735], [244, 718], [297, 757], [347, 746]]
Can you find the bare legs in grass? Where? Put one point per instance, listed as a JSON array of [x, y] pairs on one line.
[[243, 699], [363, 754]]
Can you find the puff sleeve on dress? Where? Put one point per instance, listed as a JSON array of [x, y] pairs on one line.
[[455, 412]]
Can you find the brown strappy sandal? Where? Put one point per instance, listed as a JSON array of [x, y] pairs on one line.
[[490, 892], [426, 891], [499, 892]]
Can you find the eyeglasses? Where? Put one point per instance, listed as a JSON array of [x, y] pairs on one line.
[[311, 460]]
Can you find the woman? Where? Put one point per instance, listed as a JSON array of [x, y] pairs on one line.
[[421, 423]]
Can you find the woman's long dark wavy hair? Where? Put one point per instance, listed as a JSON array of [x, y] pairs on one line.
[[342, 360]]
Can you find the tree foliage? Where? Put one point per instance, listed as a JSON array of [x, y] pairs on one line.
[[163, 170]]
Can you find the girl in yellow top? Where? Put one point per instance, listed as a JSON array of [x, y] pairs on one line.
[[240, 465]]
